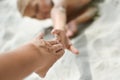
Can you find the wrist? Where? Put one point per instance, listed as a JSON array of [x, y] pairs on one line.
[[44, 66], [35, 49], [59, 28], [36, 44]]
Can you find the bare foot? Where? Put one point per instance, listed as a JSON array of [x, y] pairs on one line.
[[72, 29]]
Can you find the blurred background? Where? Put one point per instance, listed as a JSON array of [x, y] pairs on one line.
[[99, 44]]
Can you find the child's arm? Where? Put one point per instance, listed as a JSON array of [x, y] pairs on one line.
[[58, 15]]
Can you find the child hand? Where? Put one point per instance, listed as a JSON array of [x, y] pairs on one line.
[[61, 37]]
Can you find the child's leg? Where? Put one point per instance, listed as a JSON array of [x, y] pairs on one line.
[[86, 16]]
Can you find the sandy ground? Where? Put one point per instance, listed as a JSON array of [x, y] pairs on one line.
[[98, 44]]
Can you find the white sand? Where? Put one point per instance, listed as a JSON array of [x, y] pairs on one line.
[[99, 44]]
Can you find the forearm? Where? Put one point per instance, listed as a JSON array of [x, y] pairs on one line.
[[58, 15], [17, 64]]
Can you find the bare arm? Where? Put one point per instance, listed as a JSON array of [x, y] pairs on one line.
[[19, 63], [58, 14]]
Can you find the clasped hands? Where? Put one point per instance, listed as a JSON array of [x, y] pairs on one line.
[[55, 46], [50, 51]]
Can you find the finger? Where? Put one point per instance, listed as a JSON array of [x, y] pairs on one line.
[[53, 42], [55, 31], [40, 36], [47, 44], [73, 49], [56, 48], [60, 52], [58, 33]]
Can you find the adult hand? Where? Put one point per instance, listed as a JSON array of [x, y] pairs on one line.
[[61, 37], [49, 52]]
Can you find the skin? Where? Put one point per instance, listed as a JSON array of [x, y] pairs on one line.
[[84, 17], [66, 16], [38, 53]]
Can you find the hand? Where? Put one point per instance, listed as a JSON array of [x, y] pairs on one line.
[[49, 52], [61, 37]]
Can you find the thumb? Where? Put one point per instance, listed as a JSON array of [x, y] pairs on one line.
[[56, 32], [40, 36]]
